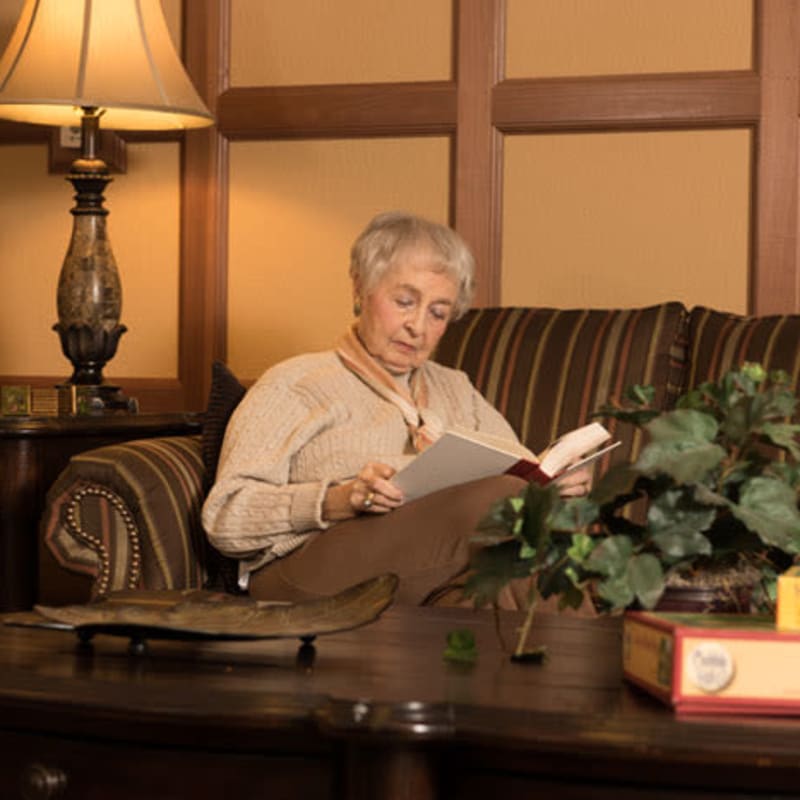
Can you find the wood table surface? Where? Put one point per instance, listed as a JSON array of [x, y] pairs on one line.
[[377, 712]]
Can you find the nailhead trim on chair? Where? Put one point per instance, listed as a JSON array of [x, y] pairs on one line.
[[96, 544]]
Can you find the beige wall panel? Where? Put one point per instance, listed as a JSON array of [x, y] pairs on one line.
[[295, 208], [627, 219], [339, 41], [607, 37], [144, 227], [34, 231], [34, 234]]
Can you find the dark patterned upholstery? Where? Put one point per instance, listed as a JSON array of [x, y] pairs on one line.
[[720, 341], [547, 370], [129, 515], [226, 393]]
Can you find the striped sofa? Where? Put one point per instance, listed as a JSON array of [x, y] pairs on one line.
[[128, 515]]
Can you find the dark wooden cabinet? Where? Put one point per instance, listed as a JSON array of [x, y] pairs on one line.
[[376, 714], [33, 451]]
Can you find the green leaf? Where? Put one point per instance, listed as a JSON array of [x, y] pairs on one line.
[[581, 547], [493, 567], [683, 461], [461, 647], [611, 556], [677, 545], [768, 507], [618, 481], [754, 371], [736, 425], [683, 425], [675, 525], [573, 514], [539, 502], [572, 596], [503, 519], [783, 435], [682, 446], [641, 395], [616, 591], [646, 578]]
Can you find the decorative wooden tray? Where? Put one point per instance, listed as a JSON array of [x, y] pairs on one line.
[[194, 614]]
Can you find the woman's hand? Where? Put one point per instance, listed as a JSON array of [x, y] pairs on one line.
[[370, 492], [576, 484]]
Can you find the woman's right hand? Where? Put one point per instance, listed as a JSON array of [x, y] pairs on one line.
[[370, 492]]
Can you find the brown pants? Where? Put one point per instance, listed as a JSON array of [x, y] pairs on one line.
[[427, 543]]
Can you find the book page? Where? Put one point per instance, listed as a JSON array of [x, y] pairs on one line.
[[458, 457], [572, 446], [586, 460]]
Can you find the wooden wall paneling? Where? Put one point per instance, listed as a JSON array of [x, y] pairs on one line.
[[618, 102], [775, 283], [204, 212], [477, 173], [338, 111]]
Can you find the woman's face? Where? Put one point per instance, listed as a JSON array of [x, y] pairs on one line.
[[405, 314]]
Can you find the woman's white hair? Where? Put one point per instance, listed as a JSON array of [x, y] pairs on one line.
[[392, 235]]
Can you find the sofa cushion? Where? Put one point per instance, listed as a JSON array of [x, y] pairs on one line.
[[547, 370], [720, 341], [226, 393]]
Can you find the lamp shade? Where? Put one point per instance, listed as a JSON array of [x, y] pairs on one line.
[[113, 55]]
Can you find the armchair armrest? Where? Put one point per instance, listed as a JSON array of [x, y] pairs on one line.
[[128, 515]]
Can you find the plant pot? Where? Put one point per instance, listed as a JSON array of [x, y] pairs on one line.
[[705, 600], [710, 589]]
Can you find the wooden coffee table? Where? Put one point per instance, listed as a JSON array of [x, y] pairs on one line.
[[377, 713]]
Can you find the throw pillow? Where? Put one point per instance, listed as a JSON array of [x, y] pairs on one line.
[[226, 393]]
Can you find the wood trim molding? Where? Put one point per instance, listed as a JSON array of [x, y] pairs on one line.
[[204, 207], [775, 283], [626, 102], [477, 173], [338, 111]]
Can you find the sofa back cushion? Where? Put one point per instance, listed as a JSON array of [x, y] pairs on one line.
[[720, 341], [547, 370]]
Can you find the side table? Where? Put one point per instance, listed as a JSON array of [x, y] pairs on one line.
[[33, 451]]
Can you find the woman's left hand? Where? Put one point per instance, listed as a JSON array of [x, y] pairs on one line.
[[576, 484], [371, 491]]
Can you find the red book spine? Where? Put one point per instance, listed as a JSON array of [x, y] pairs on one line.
[[529, 471]]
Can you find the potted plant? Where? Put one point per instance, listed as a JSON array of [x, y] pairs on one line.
[[713, 497]]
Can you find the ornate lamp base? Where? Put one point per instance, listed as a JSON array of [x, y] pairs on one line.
[[89, 291]]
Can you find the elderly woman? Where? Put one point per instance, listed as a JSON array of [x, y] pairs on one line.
[[304, 496]]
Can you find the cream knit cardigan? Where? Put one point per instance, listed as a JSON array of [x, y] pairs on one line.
[[309, 422]]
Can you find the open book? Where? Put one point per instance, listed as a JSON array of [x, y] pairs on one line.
[[460, 456]]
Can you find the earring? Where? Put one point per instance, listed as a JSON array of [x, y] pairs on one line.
[[357, 308]]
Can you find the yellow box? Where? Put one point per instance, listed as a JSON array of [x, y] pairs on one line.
[[787, 617]]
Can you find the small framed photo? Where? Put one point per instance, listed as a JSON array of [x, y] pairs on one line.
[[15, 401]]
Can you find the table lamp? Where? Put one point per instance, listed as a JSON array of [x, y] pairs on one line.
[[84, 62]]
